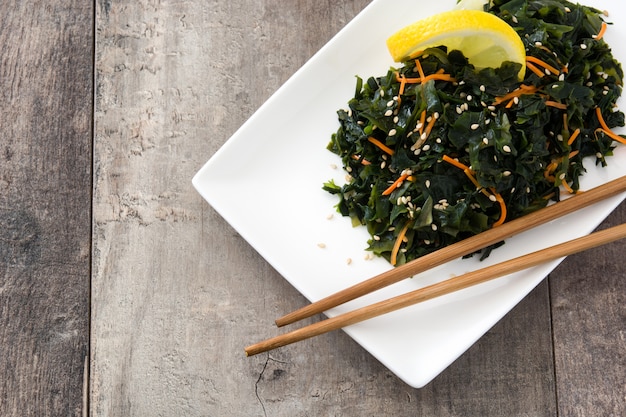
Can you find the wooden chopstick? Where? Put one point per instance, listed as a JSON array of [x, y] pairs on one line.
[[457, 250], [445, 287]]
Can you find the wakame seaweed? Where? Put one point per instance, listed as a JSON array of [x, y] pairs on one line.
[[434, 162]]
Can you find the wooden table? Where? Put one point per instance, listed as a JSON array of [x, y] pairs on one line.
[[124, 294]]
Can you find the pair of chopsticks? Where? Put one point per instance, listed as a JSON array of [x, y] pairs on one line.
[[455, 251]]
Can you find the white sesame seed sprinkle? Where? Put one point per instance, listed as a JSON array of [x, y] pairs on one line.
[[474, 126], [390, 103], [321, 245], [486, 141], [506, 148], [433, 226], [583, 46], [493, 198], [393, 132], [482, 88], [389, 113]]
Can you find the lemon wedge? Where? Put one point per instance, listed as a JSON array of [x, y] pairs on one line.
[[486, 40]]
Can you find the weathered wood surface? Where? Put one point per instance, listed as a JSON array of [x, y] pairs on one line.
[[176, 293], [46, 90]]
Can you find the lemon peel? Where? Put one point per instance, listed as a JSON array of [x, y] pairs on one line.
[[486, 40]]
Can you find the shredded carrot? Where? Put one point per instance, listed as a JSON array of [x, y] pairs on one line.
[[510, 103], [534, 69], [600, 34], [573, 137], [523, 89], [503, 212], [542, 63], [396, 246], [454, 162], [430, 125], [420, 70], [363, 161], [567, 187], [556, 104], [605, 128], [401, 90], [547, 173], [468, 172], [422, 122], [573, 154], [438, 77], [397, 183], [381, 145]]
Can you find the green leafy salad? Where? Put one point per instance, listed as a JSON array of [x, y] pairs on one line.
[[437, 151]]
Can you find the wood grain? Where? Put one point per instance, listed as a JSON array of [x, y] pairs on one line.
[[177, 293], [46, 91]]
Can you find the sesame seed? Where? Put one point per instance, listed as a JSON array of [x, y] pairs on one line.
[[559, 137], [599, 155], [349, 169], [389, 113], [383, 165], [482, 88], [426, 148], [493, 198], [514, 19], [330, 216], [516, 100], [427, 183], [506, 173], [583, 46], [321, 245], [459, 110], [605, 76], [491, 108], [538, 44], [349, 261], [605, 92], [382, 93], [433, 226], [474, 126], [333, 166], [426, 242], [392, 132], [469, 97], [527, 190], [512, 190], [506, 148], [567, 9], [390, 103], [438, 140], [486, 141], [436, 115], [376, 237], [396, 119]]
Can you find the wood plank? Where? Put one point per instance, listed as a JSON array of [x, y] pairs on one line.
[[177, 293], [46, 91], [588, 298]]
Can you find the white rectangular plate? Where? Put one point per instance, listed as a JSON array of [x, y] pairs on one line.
[[266, 182]]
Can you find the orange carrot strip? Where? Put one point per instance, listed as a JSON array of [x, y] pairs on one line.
[[438, 77], [573, 137], [503, 211], [543, 64], [422, 122], [510, 104], [556, 104], [420, 70], [381, 145], [536, 70], [573, 154], [430, 125], [605, 128], [363, 161], [600, 34], [567, 187], [454, 162], [395, 184], [396, 246], [523, 89]]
